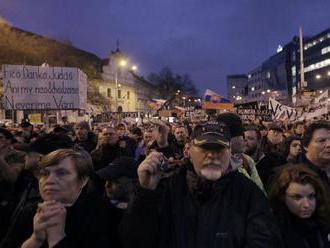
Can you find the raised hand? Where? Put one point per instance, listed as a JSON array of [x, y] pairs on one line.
[[149, 170]]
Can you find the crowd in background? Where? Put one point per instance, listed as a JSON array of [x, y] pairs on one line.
[[140, 185]]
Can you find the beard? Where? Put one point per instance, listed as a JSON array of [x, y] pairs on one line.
[[250, 151], [212, 170]]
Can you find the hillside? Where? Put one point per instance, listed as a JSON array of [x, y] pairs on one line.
[[21, 47]]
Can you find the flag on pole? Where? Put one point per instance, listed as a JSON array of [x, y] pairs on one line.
[[212, 100], [156, 104]]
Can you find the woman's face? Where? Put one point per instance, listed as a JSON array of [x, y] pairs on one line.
[[295, 148], [301, 199], [60, 182]]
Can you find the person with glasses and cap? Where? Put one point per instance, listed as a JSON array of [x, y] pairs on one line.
[[204, 204]]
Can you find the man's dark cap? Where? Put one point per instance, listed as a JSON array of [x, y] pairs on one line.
[[51, 142], [234, 123], [211, 133], [119, 167]]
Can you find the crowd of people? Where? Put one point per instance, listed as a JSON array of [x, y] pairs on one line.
[[219, 182]]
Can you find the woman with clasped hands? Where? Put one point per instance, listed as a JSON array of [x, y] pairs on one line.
[[73, 213]]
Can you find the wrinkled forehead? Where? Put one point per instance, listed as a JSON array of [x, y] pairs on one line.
[[321, 133]]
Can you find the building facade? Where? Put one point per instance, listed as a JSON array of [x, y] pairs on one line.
[[316, 62], [237, 88], [125, 91]]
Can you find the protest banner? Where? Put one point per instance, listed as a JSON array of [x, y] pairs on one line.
[[43, 88], [319, 107], [282, 112], [252, 114]]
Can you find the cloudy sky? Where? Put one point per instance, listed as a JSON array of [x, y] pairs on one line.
[[207, 39]]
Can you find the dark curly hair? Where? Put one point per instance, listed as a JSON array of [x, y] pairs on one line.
[[286, 145], [301, 174]]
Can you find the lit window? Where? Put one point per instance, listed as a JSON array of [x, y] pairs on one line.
[[321, 64], [108, 92], [325, 50], [294, 71], [119, 93]]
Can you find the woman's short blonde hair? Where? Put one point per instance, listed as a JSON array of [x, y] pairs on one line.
[[81, 161]]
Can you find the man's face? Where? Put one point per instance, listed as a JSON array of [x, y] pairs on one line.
[[251, 141], [60, 182], [148, 136], [180, 134], [161, 137], [299, 130], [109, 136], [81, 133], [121, 130], [4, 142], [275, 137], [318, 149], [210, 164], [237, 145]]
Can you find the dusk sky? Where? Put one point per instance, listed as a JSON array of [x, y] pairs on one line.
[[208, 39]]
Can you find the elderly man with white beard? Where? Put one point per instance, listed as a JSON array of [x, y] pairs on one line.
[[205, 204]]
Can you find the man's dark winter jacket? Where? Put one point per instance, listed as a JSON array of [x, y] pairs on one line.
[[231, 213], [322, 174], [88, 224]]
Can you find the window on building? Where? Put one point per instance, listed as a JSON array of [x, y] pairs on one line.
[[294, 71], [325, 50], [108, 92], [119, 93], [318, 65], [127, 95]]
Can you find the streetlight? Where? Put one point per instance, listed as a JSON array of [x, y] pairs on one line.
[[122, 63]]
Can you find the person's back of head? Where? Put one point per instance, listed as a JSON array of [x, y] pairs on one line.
[[235, 125]]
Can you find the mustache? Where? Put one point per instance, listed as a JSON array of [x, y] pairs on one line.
[[214, 162]]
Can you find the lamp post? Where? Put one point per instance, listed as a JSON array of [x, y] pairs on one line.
[[122, 63]]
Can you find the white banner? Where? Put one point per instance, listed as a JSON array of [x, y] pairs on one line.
[[43, 88], [282, 112], [319, 107]]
